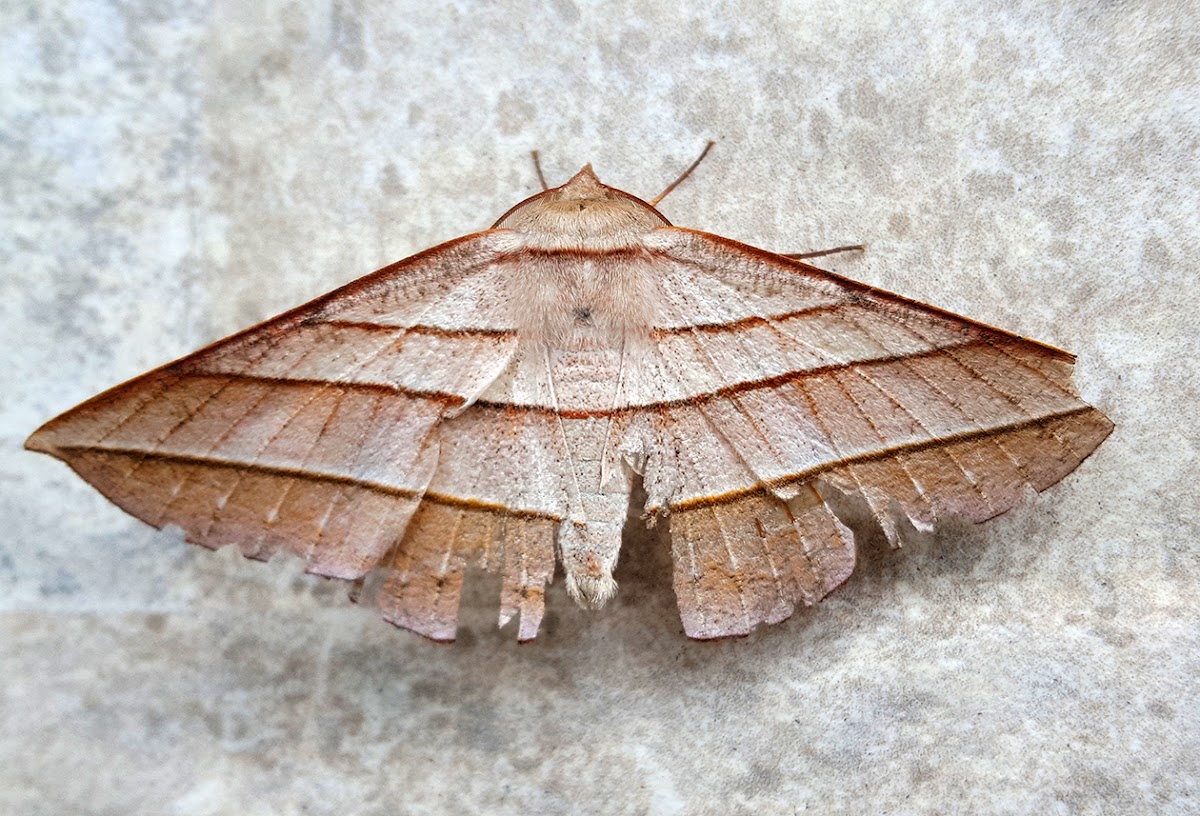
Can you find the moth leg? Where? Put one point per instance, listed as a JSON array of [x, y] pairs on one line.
[[822, 252]]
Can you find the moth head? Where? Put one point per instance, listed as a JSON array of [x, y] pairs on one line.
[[583, 213]]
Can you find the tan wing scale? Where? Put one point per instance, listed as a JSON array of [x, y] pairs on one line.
[[490, 402], [317, 433], [920, 412]]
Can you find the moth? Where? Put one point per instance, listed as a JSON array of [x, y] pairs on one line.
[[493, 400]]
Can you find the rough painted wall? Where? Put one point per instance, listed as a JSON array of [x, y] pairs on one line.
[[171, 172]]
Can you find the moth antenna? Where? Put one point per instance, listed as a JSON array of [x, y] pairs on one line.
[[654, 201], [537, 165], [821, 252]]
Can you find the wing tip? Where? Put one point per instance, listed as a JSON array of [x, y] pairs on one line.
[[40, 441], [866, 290]]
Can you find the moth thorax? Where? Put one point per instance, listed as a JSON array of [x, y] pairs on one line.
[[582, 214]]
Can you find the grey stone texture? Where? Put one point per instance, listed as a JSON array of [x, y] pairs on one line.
[[173, 171]]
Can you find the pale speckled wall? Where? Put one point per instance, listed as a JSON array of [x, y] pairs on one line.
[[175, 171]]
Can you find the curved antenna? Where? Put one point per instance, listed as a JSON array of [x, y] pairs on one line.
[[654, 201], [537, 165]]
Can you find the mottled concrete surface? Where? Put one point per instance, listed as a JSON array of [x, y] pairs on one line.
[[174, 171]]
